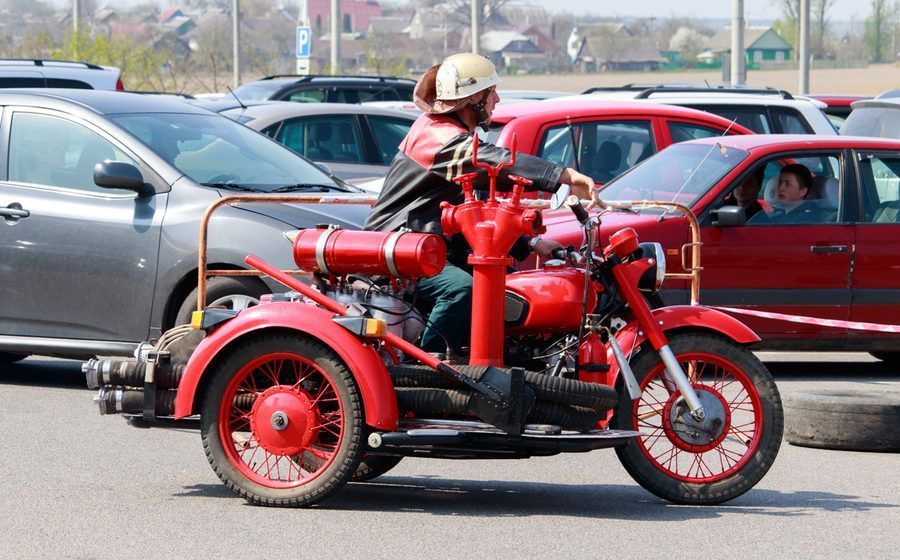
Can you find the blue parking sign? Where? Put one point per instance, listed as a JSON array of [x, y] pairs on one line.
[[304, 42]]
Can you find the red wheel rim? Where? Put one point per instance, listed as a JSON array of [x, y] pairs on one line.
[[280, 420], [729, 452]]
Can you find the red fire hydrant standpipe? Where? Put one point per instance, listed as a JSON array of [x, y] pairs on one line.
[[491, 229]]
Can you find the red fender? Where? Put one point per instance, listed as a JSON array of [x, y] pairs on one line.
[[378, 395], [631, 336]]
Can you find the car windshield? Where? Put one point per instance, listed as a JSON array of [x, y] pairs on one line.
[[680, 173], [216, 151], [257, 91], [881, 122]]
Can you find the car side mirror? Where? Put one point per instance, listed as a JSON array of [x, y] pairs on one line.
[[324, 167], [120, 175], [729, 216], [560, 196]]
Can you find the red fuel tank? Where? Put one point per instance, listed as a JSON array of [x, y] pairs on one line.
[[377, 253], [546, 300]]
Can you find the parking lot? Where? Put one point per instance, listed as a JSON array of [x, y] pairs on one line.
[[77, 485]]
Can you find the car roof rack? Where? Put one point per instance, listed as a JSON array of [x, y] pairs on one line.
[[646, 90], [164, 93], [306, 78], [43, 62]]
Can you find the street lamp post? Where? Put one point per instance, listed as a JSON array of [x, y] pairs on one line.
[[236, 40]]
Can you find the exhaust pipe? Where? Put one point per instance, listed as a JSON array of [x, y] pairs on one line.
[[129, 373], [124, 400]]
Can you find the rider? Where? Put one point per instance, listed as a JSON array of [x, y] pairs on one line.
[[456, 96]]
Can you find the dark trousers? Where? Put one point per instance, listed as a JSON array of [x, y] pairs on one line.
[[449, 294]]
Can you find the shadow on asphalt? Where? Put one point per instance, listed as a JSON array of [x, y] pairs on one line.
[[44, 373], [474, 498], [834, 371]]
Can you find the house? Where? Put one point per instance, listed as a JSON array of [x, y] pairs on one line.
[[513, 52], [355, 15], [761, 44], [612, 47]]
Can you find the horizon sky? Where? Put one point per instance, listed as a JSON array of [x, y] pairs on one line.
[[842, 10]]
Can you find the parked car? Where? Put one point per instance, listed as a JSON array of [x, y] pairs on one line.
[[601, 138], [356, 142], [41, 73], [838, 107], [839, 264], [101, 196], [762, 110], [879, 117], [331, 89]]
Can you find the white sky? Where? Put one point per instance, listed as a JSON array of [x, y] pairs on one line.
[[842, 10]]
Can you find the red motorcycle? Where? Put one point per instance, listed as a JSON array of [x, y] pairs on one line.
[[324, 385]]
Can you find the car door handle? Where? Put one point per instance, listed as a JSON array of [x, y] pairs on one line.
[[14, 210], [828, 248]]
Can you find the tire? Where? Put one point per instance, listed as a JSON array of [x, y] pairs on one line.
[[892, 358], [11, 358], [686, 467], [845, 420], [232, 292], [318, 448], [373, 466]]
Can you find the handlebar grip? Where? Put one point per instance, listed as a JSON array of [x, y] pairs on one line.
[[575, 206]]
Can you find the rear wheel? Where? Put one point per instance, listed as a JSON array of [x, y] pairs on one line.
[[282, 421], [714, 461]]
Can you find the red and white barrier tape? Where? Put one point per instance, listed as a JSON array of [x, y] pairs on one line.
[[852, 325]]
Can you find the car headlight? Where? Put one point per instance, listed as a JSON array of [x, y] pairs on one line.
[[652, 280]]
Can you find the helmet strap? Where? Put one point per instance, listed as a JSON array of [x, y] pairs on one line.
[[480, 111]]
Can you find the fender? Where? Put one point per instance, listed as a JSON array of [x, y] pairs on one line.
[[698, 317], [376, 388]]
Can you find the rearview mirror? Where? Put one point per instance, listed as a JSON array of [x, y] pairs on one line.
[[120, 175], [560, 196], [729, 216]]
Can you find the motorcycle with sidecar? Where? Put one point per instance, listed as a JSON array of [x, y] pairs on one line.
[[324, 384]]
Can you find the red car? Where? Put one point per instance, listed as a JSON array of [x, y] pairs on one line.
[[609, 137], [839, 262]]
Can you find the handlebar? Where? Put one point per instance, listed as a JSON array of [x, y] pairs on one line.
[[568, 254], [574, 204]]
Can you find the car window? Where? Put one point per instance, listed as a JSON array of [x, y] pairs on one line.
[[754, 118], [323, 138], [361, 95], [822, 202], [680, 173], [789, 121], [308, 96], [605, 148], [389, 133], [52, 151], [880, 176], [682, 132], [40, 82], [211, 149]]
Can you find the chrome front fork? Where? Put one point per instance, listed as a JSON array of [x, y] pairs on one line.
[[682, 382]]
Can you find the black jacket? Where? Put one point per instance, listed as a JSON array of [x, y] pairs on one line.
[[437, 149]]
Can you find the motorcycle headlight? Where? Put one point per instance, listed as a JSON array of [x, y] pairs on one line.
[[652, 280]]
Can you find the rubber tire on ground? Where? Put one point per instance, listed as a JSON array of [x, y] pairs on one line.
[[349, 453], [373, 466], [892, 358], [219, 287], [11, 358], [844, 419], [680, 492]]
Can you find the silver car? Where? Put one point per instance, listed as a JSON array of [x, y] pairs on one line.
[[101, 195]]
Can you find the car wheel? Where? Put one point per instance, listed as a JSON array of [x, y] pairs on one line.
[[842, 419], [11, 358], [223, 291]]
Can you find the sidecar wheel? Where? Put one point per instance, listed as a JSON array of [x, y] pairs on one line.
[[373, 466], [282, 421], [686, 465]]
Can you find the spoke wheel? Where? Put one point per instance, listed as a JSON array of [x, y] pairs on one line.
[[282, 421], [719, 458]]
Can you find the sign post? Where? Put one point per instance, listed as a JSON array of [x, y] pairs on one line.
[[304, 46]]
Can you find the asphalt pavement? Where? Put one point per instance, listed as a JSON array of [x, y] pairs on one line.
[[77, 485]]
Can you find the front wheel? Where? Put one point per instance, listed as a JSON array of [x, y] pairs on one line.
[[706, 463], [282, 421]]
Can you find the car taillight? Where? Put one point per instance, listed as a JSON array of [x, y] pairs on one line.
[[119, 85]]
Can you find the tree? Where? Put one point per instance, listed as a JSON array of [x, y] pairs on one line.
[[789, 25], [879, 30], [689, 42]]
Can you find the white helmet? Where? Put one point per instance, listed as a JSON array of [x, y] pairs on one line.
[[446, 87], [463, 75]]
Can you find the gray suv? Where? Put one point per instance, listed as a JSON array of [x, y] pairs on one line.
[[101, 195]]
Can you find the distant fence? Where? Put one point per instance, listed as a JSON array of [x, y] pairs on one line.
[[815, 65]]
